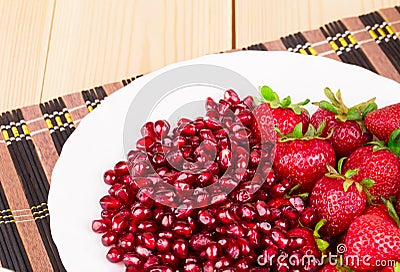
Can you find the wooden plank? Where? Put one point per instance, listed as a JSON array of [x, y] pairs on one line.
[[24, 34], [93, 41]]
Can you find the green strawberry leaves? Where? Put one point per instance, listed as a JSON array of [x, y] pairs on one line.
[[397, 267], [394, 142], [343, 113], [272, 98], [322, 244], [391, 210], [268, 94]]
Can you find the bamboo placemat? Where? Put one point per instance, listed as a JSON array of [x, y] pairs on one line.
[[32, 137]]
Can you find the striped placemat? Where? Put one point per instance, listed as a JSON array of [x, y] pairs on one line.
[[32, 137]]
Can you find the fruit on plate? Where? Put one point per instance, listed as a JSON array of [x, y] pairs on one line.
[[345, 124], [380, 163], [384, 121], [303, 158], [338, 199], [375, 237], [226, 192], [285, 115]]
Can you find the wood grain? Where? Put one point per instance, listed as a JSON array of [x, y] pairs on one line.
[[24, 34], [91, 46]]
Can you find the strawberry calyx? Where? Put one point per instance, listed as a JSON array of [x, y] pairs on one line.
[[343, 113], [361, 186], [272, 98], [391, 210], [297, 133], [393, 143], [397, 267], [321, 243]]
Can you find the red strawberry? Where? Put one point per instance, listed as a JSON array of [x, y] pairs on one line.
[[378, 210], [371, 239], [303, 159], [285, 115], [338, 200], [329, 268], [384, 121], [380, 164], [346, 124]]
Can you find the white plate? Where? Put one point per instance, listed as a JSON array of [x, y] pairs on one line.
[[96, 145]]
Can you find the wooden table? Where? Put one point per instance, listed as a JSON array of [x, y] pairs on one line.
[[33, 136]]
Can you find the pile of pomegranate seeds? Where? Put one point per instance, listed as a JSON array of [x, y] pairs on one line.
[[203, 197]]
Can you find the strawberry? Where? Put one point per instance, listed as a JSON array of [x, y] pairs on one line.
[[345, 124], [329, 268], [303, 158], [285, 115], [379, 210], [371, 239], [379, 163], [338, 199], [383, 122]]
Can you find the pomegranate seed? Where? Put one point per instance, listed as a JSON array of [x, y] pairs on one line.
[[142, 251], [212, 251], [290, 212], [245, 117], [141, 213], [162, 128], [188, 130], [121, 169], [234, 230], [126, 241], [225, 216], [279, 238], [233, 250], [160, 268], [183, 121], [308, 218], [224, 159], [146, 143], [181, 228], [249, 102], [119, 223], [223, 107], [223, 262], [152, 261], [110, 177], [206, 219], [210, 104], [163, 245], [115, 255], [246, 212], [132, 260], [296, 243], [264, 227], [231, 97], [101, 225], [110, 203], [242, 265], [199, 241], [180, 248], [109, 214], [147, 225], [109, 238], [170, 259], [191, 267], [282, 224]]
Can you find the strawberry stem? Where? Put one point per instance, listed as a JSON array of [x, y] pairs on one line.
[[322, 244], [391, 210]]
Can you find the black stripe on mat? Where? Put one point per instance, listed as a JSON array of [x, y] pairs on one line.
[[31, 175], [384, 36], [12, 252], [297, 43], [345, 45], [256, 47]]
